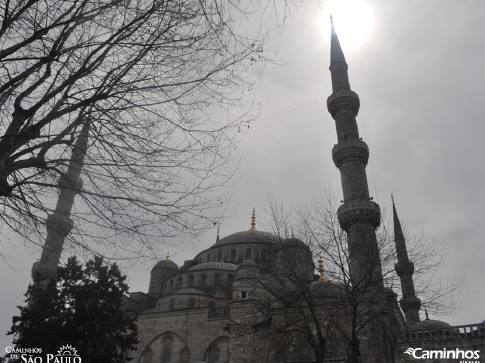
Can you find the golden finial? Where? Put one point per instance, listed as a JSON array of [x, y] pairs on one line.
[[392, 198], [253, 221], [320, 268], [168, 257], [292, 235]]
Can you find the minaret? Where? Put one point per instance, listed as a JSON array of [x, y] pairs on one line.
[[410, 304], [359, 216], [59, 224]]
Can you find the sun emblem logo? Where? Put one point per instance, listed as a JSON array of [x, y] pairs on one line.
[[67, 350]]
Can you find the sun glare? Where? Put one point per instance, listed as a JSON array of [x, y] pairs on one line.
[[352, 20]]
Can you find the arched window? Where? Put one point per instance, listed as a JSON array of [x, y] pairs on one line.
[[167, 344], [248, 253], [213, 353], [147, 356], [178, 284], [209, 257], [190, 280], [219, 255], [331, 350], [191, 303], [233, 255], [217, 278], [171, 305], [185, 355], [306, 351], [170, 286], [203, 279]]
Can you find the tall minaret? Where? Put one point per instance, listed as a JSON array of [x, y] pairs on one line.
[[358, 215], [59, 223], [410, 304]]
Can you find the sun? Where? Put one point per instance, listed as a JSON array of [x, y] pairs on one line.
[[352, 20]]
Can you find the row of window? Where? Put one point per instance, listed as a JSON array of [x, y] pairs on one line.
[[294, 348], [167, 355], [216, 279], [249, 255], [213, 353]]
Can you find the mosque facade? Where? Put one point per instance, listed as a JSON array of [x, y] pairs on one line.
[[253, 296]]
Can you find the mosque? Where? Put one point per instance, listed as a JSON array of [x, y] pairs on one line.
[[253, 296]]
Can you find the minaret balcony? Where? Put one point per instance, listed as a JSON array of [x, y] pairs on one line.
[[358, 211], [350, 150], [343, 99], [60, 223], [410, 303], [42, 271], [405, 268]]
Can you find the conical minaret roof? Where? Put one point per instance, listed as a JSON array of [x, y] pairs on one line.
[[336, 53], [410, 303], [398, 235]]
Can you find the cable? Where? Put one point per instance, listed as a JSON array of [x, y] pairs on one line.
[[290, 110]]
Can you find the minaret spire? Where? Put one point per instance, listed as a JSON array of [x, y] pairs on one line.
[[253, 220], [410, 304], [320, 269], [336, 53], [358, 216]]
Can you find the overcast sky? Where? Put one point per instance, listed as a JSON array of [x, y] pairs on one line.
[[420, 76]]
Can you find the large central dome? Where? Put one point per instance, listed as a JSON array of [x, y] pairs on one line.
[[250, 236]]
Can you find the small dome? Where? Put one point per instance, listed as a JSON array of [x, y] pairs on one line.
[[248, 237], [214, 266], [327, 289], [249, 263], [168, 264], [294, 242], [429, 324]]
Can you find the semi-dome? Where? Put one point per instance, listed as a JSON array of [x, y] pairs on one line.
[[430, 324], [190, 290], [251, 236], [248, 263], [168, 264], [214, 266], [325, 289]]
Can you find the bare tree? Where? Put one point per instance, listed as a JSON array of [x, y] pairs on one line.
[[331, 315], [157, 81], [318, 226]]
